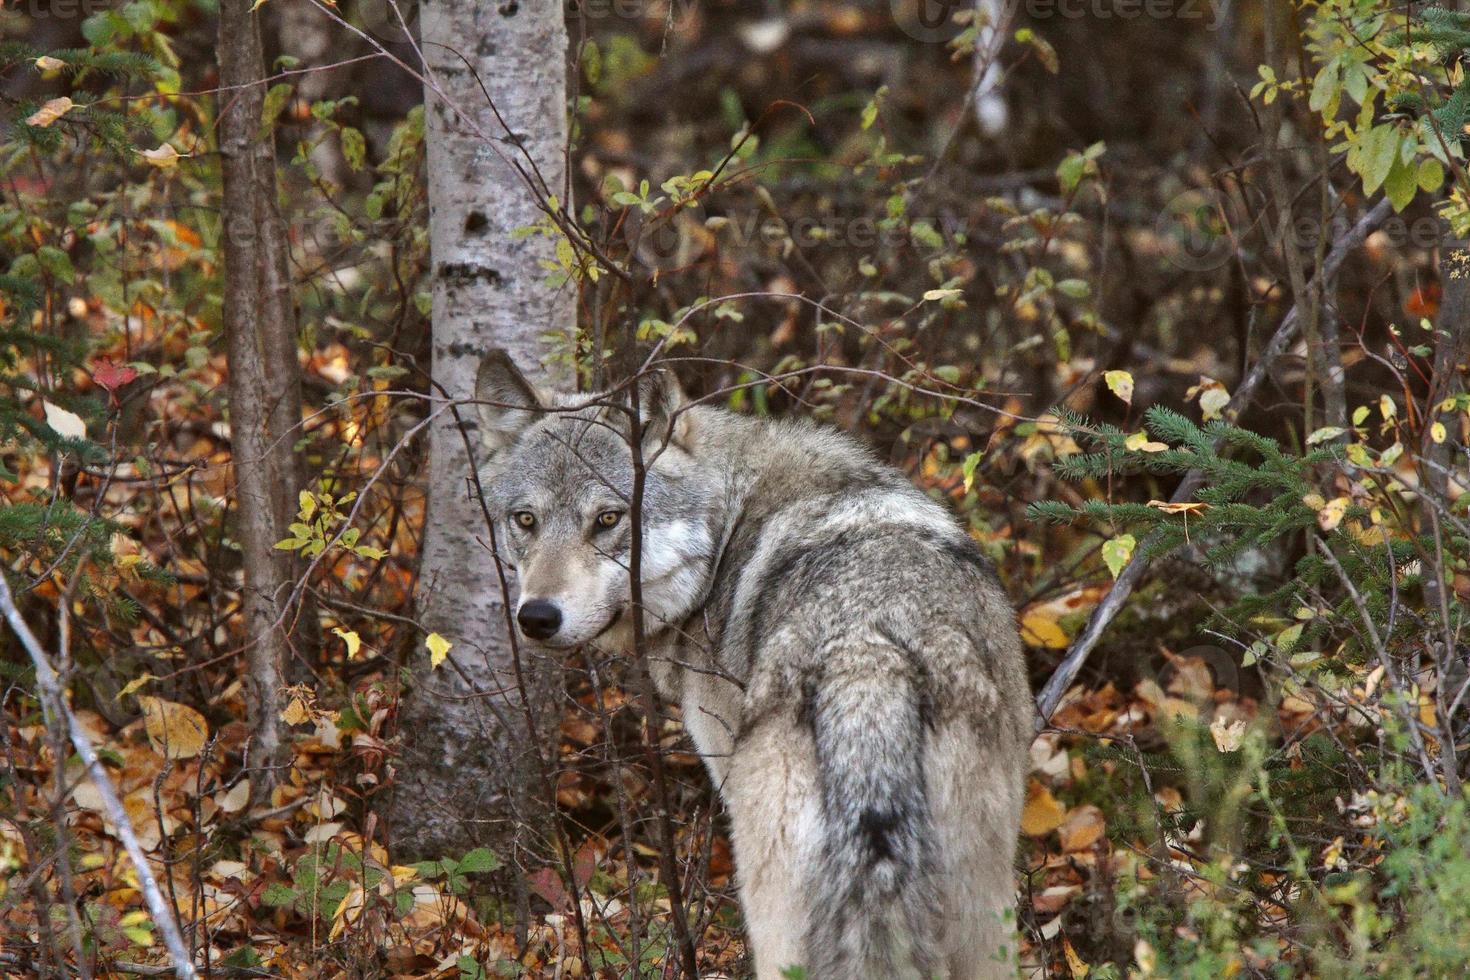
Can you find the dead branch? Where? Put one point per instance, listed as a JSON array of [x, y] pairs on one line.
[[55, 704]]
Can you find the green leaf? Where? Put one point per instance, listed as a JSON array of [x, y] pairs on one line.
[[1325, 87], [1070, 171], [479, 861], [56, 262], [925, 234], [1325, 434], [1431, 175], [968, 469], [1117, 552], [1288, 638], [276, 100], [1401, 184], [1075, 288], [1377, 152], [276, 895], [354, 147]]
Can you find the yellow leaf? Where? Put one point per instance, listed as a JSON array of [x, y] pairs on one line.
[[1120, 383], [163, 158], [350, 637], [1043, 813], [1212, 402], [134, 684], [1075, 964], [1212, 397], [48, 63], [295, 713], [438, 649], [306, 500], [176, 731], [1387, 408], [1330, 514], [1140, 442], [50, 112], [1040, 630], [1437, 432], [1187, 507], [348, 911], [1145, 957]]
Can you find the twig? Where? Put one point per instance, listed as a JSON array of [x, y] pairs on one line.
[[1112, 603], [51, 697]]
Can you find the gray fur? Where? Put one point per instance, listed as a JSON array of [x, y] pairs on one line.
[[847, 663]]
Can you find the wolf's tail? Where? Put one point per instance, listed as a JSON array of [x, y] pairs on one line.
[[876, 897]]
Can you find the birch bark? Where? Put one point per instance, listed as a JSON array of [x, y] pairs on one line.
[[465, 760]]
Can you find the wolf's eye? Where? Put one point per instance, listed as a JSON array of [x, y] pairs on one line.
[[524, 519], [609, 518]]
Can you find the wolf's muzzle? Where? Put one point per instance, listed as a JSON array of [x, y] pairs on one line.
[[539, 619]]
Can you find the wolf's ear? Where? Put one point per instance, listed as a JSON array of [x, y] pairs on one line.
[[507, 402], [664, 408]]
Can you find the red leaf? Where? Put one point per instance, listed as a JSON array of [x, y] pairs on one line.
[[112, 376], [548, 885], [1423, 301]]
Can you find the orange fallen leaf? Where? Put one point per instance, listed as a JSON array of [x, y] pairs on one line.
[[1040, 630], [1083, 827], [1043, 813], [175, 731]]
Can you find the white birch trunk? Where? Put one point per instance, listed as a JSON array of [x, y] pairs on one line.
[[994, 18], [461, 769]]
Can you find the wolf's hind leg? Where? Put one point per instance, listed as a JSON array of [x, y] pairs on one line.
[[977, 803], [775, 814]]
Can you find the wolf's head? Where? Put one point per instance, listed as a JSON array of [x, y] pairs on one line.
[[560, 486]]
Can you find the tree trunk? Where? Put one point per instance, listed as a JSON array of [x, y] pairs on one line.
[[264, 380], [991, 111], [464, 762]]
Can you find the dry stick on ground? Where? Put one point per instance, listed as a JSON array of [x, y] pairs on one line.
[[55, 703], [1112, 603]]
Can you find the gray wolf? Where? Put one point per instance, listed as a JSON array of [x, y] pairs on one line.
[[847, 663]]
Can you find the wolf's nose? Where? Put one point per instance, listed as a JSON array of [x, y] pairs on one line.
[[540, 619]]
